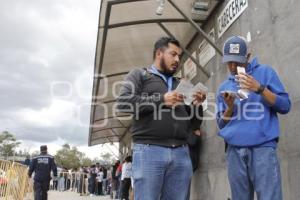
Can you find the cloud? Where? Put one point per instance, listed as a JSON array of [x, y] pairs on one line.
[[56, 115], [46, 60]]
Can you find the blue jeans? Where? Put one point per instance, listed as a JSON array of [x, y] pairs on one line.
[[254, 170], [160, 172]]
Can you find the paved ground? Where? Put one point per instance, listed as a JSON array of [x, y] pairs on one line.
[[54, 195]]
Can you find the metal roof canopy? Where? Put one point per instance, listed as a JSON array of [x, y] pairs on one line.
[[127, 32]]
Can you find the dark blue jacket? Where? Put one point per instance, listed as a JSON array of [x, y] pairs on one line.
[[42, 166]]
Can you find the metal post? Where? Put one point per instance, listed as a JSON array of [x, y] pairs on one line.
[[197, 27], [185, 51]]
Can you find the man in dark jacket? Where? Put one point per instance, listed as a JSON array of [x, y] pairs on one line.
[[162, 123], [42, 166]]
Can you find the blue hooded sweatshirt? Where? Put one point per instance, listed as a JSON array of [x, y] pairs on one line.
[[254, 121]]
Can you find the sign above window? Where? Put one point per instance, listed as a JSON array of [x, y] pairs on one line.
[[229, 14]]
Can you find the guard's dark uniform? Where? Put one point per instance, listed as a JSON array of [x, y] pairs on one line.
[[42, 166]]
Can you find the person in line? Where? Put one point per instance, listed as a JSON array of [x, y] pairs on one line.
[[126, 177], [250, 126]]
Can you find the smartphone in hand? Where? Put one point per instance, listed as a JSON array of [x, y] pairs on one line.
[[241, 70]]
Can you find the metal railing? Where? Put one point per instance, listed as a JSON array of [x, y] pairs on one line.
[[14, 181]]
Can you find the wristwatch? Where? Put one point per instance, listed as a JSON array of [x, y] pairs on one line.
[[260, 89]]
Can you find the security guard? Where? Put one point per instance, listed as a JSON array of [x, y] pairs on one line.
[[42, 166]]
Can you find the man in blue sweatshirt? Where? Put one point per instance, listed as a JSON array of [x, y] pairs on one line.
[[250, 125]]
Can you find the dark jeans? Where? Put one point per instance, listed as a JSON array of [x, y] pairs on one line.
[[99, 188], [40, 190], [125, 188], [91, 186], [55, 183]]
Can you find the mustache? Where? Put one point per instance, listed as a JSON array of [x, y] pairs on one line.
[[176, 64]]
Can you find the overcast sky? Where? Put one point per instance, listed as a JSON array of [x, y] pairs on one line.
[[46, 58]]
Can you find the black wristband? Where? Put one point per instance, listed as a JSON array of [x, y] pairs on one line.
[[260, 89]]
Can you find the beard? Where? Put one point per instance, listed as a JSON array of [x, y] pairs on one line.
[[163, 65]]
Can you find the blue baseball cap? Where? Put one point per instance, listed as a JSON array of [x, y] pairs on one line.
[[235, 50]]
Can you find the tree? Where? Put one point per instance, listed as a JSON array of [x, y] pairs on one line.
[[8, 144], [35, 153], [106, 158], [86, 161], [71, 158], [22, 153]]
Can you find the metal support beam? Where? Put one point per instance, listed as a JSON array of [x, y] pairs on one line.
[[196, 27], [116, 117], [185, 51], [124, 133], [108, 136], [115, 74], [104, 129], [149, 21], [121, 123]]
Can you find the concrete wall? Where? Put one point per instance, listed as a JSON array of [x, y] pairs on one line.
[[274, 27]]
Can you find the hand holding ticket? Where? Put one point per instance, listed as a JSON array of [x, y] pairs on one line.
[[242, 93], [187, 89]]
